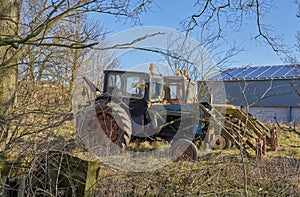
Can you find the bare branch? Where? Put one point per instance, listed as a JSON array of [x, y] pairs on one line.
[[231, 14]]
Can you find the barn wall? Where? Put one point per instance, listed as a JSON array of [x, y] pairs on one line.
[[262, 93], [266, 98], [295, 114], [267, 114]]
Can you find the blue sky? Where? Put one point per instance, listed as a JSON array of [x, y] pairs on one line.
[[169, 14]]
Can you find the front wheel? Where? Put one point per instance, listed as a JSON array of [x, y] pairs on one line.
[[220, 142], [183, 150]]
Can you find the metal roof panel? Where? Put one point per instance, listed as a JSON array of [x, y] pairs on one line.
[[258, 73]]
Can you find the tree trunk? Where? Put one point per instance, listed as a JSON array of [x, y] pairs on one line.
[[9, 21]]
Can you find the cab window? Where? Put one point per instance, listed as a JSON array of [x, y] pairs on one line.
[[156, 89], [113, 81], [134, 86]]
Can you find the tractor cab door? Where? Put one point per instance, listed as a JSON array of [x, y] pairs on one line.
[[128, 87], [135, 90]]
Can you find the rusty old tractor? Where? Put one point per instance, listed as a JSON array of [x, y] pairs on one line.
[[147, 105], [142, 105]]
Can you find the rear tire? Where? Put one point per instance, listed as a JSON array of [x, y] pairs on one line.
[[116, 124], [105, 126]]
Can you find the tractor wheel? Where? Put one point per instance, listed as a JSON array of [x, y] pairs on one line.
[[116, 124], [110, 120], [183, 150], [220, 142]]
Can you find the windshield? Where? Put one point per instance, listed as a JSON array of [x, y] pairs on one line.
[[129, 84]]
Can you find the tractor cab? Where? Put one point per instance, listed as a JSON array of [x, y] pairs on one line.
[[145, 87], [135, 91]]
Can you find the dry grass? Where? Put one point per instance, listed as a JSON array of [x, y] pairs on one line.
[[216, 173], [141, 145]]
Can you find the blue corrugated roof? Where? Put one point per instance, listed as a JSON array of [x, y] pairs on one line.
[[258, 73]]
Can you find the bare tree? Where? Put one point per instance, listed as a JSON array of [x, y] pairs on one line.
[[46, 37], [39, 31], [39, 62]]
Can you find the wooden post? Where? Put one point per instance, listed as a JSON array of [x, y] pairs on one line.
[[13, 187], [264, 145], [91, 179], [273, 139], [259, 149]]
